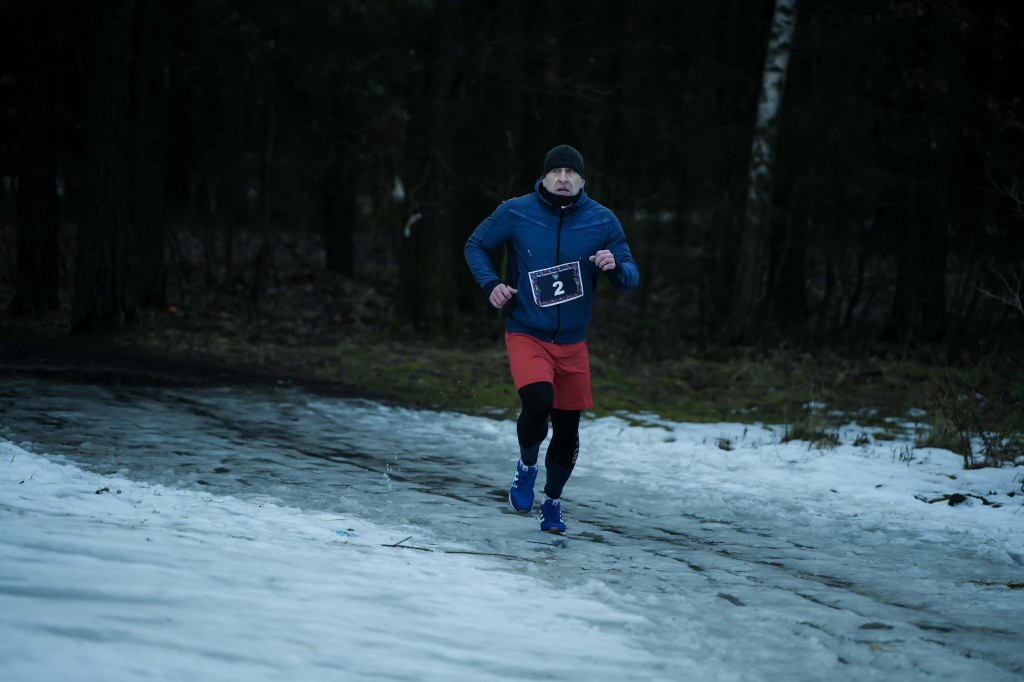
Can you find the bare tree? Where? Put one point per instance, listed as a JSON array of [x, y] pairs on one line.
[[1013, 287], [1011, 276], [750, 267], [38, 272], [106, 276]]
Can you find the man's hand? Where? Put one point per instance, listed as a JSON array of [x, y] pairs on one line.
[[501, 295], [604, 260]]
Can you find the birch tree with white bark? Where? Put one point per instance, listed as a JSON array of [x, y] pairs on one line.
[[751, 268]]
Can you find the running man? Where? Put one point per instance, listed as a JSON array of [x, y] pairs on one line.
[[559, 240]]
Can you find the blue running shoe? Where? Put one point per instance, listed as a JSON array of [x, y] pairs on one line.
[[520, 495], [551, 517]]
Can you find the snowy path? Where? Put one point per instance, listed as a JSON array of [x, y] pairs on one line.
[[252, 538]]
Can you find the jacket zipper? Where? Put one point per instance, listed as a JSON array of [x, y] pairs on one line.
[[558, 257]]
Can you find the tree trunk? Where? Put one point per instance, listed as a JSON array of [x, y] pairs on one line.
[[919, 306], [264, 257], [148, 151], [787, 300], [37, 282], [339, 215], [106, 291], [427, 293], [750, 266]]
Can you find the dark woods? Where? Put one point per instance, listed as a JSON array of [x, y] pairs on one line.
[[369, 138]]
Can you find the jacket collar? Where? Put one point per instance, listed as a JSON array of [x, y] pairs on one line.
[[582, 199]]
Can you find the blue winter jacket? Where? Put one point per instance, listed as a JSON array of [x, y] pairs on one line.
[[553, 303]]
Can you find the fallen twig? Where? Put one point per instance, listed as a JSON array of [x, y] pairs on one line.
[[500, 556], [399, 545], [955, 499]]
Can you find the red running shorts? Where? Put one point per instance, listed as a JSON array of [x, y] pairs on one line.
[[566, 366]]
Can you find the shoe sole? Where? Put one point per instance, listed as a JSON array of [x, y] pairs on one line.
[[524, 511], [554, 531]]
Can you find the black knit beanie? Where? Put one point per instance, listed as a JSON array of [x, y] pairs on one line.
[[564, 156]]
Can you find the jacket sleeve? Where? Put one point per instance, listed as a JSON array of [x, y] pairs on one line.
[[488, 237], [625, 276]]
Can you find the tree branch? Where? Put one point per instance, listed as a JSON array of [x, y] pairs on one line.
[[1013, 284]]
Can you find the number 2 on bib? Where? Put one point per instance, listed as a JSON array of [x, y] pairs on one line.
[[557, 285]]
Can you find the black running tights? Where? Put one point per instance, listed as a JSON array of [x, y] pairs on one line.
[[532, 426]]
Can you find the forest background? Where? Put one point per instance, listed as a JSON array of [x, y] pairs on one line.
[[288, 187]]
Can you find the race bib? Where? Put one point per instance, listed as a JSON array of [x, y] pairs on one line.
[[553, 286]]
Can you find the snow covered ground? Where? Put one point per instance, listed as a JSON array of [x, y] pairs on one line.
[[245, 534]]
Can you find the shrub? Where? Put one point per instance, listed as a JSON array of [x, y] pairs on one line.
[[958, 426]]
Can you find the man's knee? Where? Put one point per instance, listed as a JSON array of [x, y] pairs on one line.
[[564, 452], [565, 438], [538, 398]]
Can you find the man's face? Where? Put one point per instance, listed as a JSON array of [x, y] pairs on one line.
[[563, 182]]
